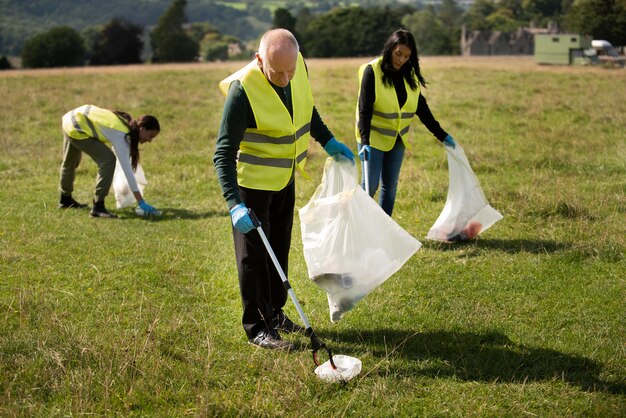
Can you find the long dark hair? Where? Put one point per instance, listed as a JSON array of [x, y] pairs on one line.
[[147, 122], [410, 68]]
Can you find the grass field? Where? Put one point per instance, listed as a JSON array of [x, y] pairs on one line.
[[134, 317]]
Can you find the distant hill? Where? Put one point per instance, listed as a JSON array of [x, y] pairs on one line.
[[245, 19], [22, 19]]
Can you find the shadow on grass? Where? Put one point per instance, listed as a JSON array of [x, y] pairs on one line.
[[169, 214], [508, 246], [487, 357]]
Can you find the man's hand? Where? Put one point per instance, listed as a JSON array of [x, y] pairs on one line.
[[334, 147], [241, 219]]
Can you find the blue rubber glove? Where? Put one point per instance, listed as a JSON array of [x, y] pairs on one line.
[[449, 142], [241, 219], [147, 209], [334, 147], [365, 151]]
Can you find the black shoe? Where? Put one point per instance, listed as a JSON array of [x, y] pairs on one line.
[[99, 211], [271, 339], [282, 323], [455, 237], [67, 202]]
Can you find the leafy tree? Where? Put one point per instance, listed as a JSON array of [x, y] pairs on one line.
[[214, 46], [331, 34], [543, 8], [59, 47], [428, 32], [476, 16], [603, 19], [620, 24], [566, 5], [170, 43], [259, 12], [303, 18], [284, 19], [503, 15], [92, 39], [198, 31], [216, 51], [228, 19], [503, 19], [119, 43], [5, 64], [450, 15], [515, 7]]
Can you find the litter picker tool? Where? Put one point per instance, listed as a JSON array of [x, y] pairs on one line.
[[366, 171], [316, 343]]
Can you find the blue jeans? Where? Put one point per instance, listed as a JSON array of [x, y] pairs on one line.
[[384, 168]]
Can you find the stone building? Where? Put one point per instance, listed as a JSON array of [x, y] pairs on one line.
[[520, 42]]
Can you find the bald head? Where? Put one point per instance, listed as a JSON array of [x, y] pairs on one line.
[[278, 55], [277, 40]]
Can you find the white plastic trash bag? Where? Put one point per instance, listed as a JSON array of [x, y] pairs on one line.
[[350, 244], [466, 212], [123, 195]]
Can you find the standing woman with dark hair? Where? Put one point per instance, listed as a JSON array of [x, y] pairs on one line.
[[389, 97], [88, 129]]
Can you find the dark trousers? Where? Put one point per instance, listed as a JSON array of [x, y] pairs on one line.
[[262, 291], [99, 152]]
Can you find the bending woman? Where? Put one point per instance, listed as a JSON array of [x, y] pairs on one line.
[[89, 129], [389, 97]]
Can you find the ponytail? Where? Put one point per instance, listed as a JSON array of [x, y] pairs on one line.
[[132, 135], [147, 122]]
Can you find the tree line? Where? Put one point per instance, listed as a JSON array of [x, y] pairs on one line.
[[339, 32]]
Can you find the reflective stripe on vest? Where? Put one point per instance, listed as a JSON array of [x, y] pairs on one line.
[[287, 139], [92, 129], [268, 153], [270, 162], [284, 140], [386, 126], [85, 122]]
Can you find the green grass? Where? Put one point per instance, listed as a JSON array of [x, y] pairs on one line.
[[133, 317]]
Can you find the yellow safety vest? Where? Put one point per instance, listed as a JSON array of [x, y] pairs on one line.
[[388, 119], [85, 122], [269, 152]]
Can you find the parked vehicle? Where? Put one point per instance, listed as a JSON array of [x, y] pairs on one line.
[[606, 53]]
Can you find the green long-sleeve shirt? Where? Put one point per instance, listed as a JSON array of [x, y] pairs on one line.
[[236, 118]]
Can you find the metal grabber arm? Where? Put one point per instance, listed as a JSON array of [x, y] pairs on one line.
[[316, 343]]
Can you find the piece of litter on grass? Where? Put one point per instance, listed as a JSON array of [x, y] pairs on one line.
[[347, 368]]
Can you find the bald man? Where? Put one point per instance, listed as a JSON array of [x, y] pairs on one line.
[[266, 124]]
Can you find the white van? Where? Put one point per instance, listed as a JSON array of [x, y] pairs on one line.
[[607, 53]]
